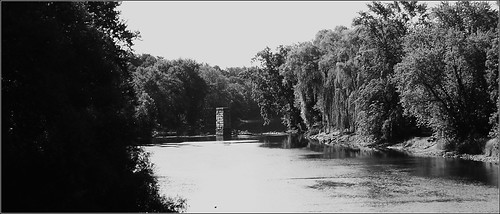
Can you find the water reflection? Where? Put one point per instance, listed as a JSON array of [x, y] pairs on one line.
[[373, 160], [289, 141], [378, 160], [221, 137], [458, 169], [290, 174], [336, 151], [470, 171]]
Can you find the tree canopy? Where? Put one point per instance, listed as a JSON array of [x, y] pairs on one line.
[[274, 94], [442, 78]]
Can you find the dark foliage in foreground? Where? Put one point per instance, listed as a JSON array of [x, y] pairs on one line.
[[67, 113]]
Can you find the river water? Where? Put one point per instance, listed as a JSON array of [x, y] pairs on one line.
[[282, 174]]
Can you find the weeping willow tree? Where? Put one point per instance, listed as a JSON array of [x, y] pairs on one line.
[[340, 78], [301, 65], [344, 77], [326, 78]]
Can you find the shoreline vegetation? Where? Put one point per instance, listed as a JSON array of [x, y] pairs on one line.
[[426, 146], [415, 146]]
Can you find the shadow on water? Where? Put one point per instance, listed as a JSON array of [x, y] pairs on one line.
[[341, 152], [465, 170], [256, 126], [393, 161], [289, 141], [180, 139]]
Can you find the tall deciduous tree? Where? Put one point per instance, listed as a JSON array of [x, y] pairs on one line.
[[171, 94], [274, 95], [443, 76], [383, 28], [301, 66], [339, 68]]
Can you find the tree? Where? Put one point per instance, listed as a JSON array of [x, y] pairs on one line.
[[338, 65], [195, 90], [170, 93], [492, 70], [218, 84], [160, 98], [442, 76], [228, 88], [382, 28], [301, 66], [465, 16], [67, 112], [274, 95]]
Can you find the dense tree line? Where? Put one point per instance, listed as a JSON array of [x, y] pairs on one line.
[[180, 96], [228, 88], [170, 93], [402, 69]]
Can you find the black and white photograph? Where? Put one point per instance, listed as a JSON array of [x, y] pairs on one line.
[[250, 106]]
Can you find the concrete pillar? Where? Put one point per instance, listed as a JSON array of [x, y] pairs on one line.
[[222, 123]]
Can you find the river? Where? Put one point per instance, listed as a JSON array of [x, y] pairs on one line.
[[281, 174]]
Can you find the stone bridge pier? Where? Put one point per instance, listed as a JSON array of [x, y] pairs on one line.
[[222, 123]]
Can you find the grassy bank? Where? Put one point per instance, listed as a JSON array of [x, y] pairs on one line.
[[417, 146]]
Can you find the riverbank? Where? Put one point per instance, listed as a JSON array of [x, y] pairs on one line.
[[280, 177], [418, 146]]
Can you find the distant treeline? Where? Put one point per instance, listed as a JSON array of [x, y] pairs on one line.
[[180, 96]]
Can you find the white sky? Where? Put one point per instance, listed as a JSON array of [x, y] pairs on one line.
[[229, 34]]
